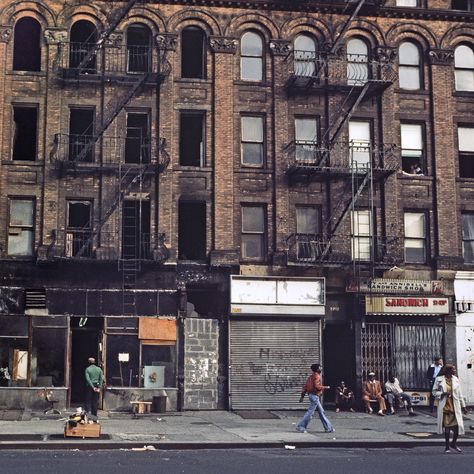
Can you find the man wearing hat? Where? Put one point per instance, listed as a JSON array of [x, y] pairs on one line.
[[372, 390]]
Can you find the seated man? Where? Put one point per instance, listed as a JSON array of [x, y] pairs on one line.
[[344, 398], [372, 390], [396, 393]]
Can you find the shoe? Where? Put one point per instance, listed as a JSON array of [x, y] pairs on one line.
[[330, 431], [300, 430], [455, 448], [370, 411], [392, 411], [380, 413], [337, 410], [352, 411], [447, 451], [411, 413]]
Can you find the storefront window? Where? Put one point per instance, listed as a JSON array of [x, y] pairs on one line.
[[13, 351], [122, 360], [161, 361]]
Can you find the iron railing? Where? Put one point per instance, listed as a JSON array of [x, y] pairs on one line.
[[311, 249]]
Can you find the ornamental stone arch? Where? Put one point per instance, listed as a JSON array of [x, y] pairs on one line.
[[17, 10], [253, 21], [71, 14], [321, 31], [457, 35], [364, 29], [191, 17], [411, 31], [144, 15], [142, 20]]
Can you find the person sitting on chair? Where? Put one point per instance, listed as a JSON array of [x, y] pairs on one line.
[[395, 393], [372, 390], [344, 398]]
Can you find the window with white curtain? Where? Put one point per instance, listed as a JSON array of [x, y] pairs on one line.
[[359, 144], [408, 3], [412, 148], [361, 235], [306, 138], [304, 56], [409, 58], [464, 68], [466, 152], [415, 237], [20, 227], [252, 141], [357, 53], [251, 57], [253, 232], [468, 237]]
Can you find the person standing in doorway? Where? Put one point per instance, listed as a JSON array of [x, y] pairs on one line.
[[451, 406], [94, 381], [431, 374], [314, 388]]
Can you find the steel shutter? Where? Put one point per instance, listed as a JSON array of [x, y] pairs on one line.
[[270, 361]]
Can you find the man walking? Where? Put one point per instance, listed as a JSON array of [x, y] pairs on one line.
[[431, 374], [94, 381], [314, 388]]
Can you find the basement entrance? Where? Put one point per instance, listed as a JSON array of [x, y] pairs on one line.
[[86, 341]]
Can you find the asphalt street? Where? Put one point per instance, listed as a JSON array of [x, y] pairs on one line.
[[261, 461]]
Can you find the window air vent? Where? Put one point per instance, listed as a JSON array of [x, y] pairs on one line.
[[35, 298]]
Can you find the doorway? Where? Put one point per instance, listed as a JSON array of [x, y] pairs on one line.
[[86, 339]]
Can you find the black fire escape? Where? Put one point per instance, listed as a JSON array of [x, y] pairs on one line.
[[349, 167], [123, 165]]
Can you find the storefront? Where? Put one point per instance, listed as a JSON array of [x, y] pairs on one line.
[[464, 297], [274, 337], [402, 330]]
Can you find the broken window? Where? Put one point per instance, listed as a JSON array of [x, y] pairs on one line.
[[83, 40], [78, 228], [13, 351], [357, 62], [466, 151], [193, 53], [253, 232], [412, 145], [81, 133], [135, 229], [468, 237], [25, 133], [27, 45], [138, 48], [464, 68], [415, 237], [409, 66], [137, 143], [361, 228], [252, 140], [251, 57], [21, 227], [192, 230], [191, 139]]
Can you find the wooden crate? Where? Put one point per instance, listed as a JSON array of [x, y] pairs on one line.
[[82, 431]]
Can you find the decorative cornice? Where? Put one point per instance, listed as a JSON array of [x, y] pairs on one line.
[[55, 36], [5, 34], [280, 47], [115, 40], [386, 54], [441, 57], [223, 44], [166, 41]]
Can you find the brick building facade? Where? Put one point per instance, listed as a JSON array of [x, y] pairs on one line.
[[150, 150]]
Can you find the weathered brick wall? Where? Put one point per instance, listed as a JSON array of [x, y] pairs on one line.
[[201, 364]]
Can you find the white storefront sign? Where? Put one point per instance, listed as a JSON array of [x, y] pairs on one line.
[[396, 286], [406, 305]]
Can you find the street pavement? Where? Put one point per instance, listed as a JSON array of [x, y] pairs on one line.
[[222, 429]]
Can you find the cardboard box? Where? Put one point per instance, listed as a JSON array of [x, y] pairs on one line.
[[82, 431]]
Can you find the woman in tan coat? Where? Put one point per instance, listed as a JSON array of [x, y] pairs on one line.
[[451, 405]]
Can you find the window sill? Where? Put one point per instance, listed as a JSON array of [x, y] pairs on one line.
[[412, 92], [414, 176], [465, 180], [195, 169], [467, 94], [262, 84], [27, 73], [190, 80], [22, 163], [253, 170]]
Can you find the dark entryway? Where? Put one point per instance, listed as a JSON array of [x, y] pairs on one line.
[[338, 363], [86, 336]]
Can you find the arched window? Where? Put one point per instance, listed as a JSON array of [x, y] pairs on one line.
[[409, 66], [251, 57], [305, 55], [27, 45], [83, 38], [138, 48], [464, 68], [193, 53], [357, 62]]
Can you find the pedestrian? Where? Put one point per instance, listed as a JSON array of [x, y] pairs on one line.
[[372, 391], [94, 382], [314, 388], [451, 406], [431, 374], [395, 393], [344, 398]]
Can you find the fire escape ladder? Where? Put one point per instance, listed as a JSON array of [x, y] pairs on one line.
[[343, 215], [115, 19]]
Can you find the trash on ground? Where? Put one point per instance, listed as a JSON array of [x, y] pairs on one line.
[[145, 448], [289, 446]]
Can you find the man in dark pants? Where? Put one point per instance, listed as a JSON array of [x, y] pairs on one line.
[[94, 380], [431, 374]]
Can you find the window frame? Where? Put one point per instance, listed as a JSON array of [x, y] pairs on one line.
[[20, 105], [459, 69], [423, 239], [73, 232], [421, 160], [469, 6], [418, 67], [358, 237], [203, 73], [359, 164], [463, 239], [303, 147], [354, 59], [15, 229], [418, 4], [15, 53], [203, 115], [464, 155], [304, 60], [262, 144], [243, 57], [263, 233]]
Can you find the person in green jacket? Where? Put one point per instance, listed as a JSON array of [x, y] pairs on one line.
[[94, 382]]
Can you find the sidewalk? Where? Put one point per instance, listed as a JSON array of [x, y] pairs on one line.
[[221, 429]]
